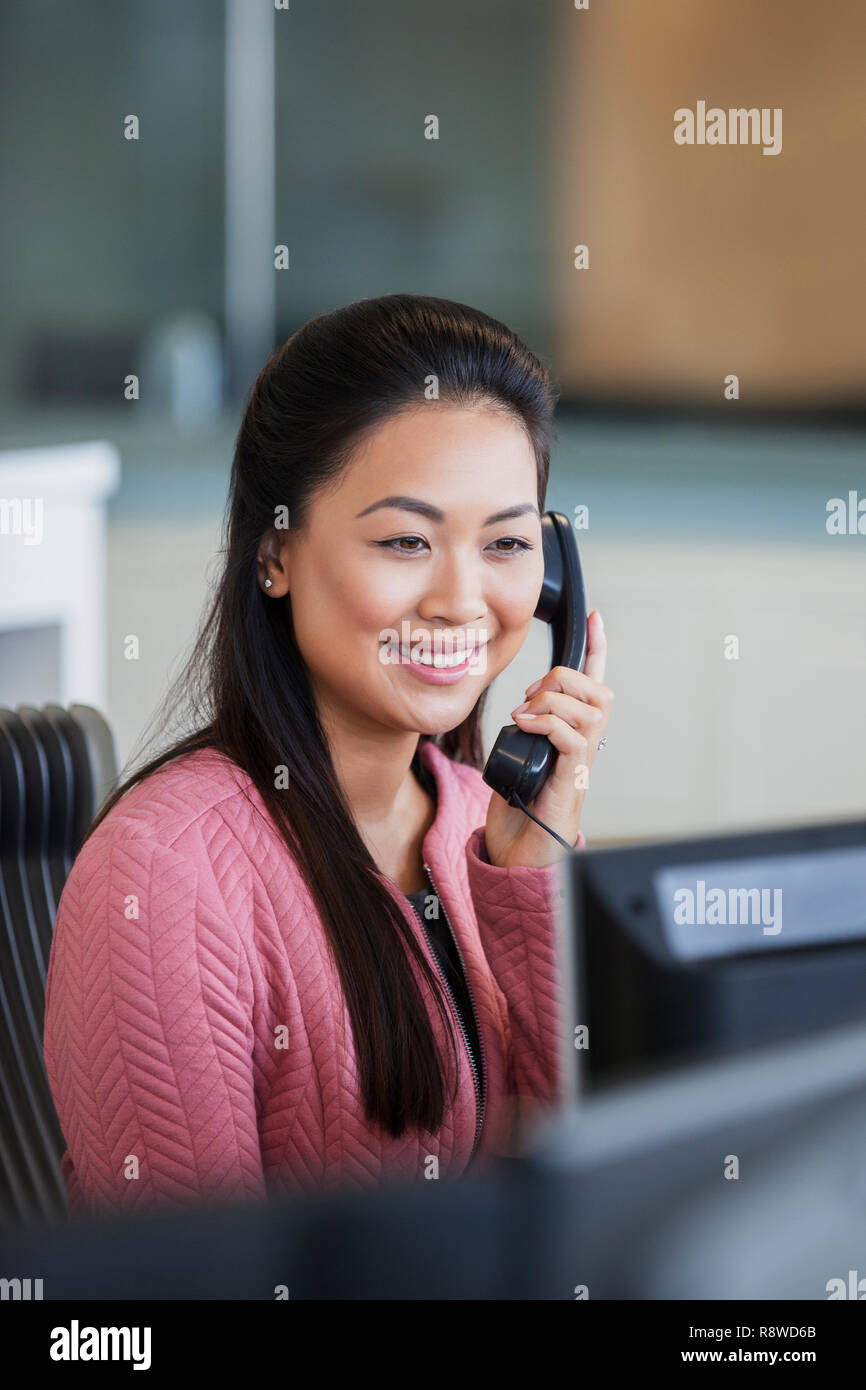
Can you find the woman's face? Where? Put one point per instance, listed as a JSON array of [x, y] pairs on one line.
[[405, 557]]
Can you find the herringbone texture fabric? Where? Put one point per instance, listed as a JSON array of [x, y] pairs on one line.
[[197, 1041]]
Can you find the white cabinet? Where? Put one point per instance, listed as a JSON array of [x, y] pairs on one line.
[[53, 573]]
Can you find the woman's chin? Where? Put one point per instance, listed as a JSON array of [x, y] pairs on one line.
[[436, 709], [441, 723]]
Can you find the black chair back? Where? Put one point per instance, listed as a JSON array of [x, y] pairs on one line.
[[57, 767]]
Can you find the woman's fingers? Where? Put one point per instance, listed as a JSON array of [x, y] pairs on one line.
[[576, 747], [596, 648], [587, 718], [575, 684]]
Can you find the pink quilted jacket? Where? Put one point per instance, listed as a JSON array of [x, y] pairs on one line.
[[197, 1041]]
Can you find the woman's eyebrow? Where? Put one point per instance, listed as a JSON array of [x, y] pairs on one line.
[[414, 504]]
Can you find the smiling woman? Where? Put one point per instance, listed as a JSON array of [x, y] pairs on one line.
[[351, 573], [241, 996]]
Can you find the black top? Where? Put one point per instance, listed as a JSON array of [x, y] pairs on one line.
[[442, 940]]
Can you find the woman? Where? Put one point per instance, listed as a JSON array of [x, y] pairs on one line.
[[307, 944]]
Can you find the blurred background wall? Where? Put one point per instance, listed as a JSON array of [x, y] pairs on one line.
[[709, 259], [707, 515]]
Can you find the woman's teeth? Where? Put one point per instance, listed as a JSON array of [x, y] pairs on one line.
[[443, 662], [470, 654]]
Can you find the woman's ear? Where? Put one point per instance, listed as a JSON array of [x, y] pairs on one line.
[[270, 564]]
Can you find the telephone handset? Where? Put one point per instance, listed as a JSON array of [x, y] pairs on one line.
[[520, 762]]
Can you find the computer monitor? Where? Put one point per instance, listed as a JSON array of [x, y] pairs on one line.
[[740, 1178], [681, 951], [628, 1194]]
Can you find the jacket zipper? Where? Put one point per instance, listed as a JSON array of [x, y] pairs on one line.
[[479, 1099]]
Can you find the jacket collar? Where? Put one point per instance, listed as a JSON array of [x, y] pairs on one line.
[[444, 847]]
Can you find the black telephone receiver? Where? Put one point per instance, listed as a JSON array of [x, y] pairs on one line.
[[520, 762]]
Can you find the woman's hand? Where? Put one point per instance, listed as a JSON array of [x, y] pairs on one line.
[[572, 708]]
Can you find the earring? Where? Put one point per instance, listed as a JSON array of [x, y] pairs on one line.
[[268, 583]]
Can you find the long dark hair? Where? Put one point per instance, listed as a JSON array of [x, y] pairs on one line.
[[246, 686]]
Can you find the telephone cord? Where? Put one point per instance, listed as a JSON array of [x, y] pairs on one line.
[[526, 811]]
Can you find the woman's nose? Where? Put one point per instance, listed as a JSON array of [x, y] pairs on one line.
[[454, 596]]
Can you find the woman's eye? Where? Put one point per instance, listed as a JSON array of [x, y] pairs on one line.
[[515, 545], [397, 544]]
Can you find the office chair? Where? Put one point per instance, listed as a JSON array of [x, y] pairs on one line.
[[57, 767]]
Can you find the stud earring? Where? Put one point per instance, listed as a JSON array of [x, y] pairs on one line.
[[268, 583]]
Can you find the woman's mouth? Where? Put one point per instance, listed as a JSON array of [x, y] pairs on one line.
[[444, 669], [438, 667], [434, 658]]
